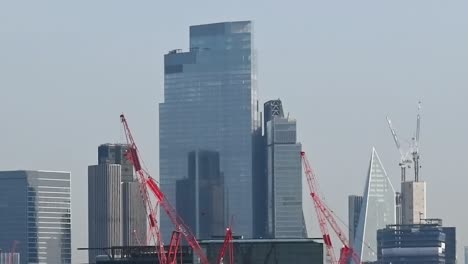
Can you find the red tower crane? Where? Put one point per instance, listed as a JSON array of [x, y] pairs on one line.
[[145, 181], [325, 215], [142, 175], [227, 245]]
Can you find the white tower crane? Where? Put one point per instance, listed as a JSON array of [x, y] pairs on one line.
[[413, 149], [405, 161]]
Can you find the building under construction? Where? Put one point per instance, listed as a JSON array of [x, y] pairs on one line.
[[427, 242]]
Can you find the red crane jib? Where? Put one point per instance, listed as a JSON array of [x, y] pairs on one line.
[[324, 216], [155, 189]]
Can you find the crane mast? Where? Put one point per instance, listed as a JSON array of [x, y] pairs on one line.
[[404, 161], [325, 215], [416, 145]]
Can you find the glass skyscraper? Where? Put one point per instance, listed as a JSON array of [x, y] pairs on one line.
[[284, 175], [377, 209], [35, 212], [210, 102]]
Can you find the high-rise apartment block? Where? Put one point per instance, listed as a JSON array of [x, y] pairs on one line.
[[377, 210], [284, 176], [116, 212], [200, 198], [35, 215], [354, 211], [210, 102]]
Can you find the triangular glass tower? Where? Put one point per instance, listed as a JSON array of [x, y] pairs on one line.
[[377, 211]]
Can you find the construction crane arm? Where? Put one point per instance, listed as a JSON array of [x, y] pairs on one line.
[[227, 244], [325, 215], [148, 182], [177, 220], [133, 156], [418, 126], [395, 138]]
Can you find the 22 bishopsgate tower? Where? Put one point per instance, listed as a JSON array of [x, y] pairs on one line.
[[210, 103]]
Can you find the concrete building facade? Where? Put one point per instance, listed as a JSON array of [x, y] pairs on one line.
[[35, 211], [116, 212], [104, 207], [413, 202], [211, 102]]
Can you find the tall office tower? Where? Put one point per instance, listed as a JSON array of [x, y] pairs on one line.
[[413, 202], [200, 198], [210, 102], [116, 212], [104, 208], [377, 211], [35, 212], [133, 209], [398, 213], [260, 194], [284, 178], [354, 211]]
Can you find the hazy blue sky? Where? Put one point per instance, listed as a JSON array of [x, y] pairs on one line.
[[68, 69]]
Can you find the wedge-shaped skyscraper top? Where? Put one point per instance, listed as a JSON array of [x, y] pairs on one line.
[[377, 211]]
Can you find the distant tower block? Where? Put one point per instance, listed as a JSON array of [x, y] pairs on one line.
[[413, 202]]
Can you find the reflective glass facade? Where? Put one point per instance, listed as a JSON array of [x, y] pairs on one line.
[[210, 102], [354, 211], [284, 179], [377, 210], [35, 208], [425, 243]]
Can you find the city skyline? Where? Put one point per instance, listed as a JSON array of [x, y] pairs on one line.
[[353, 66]]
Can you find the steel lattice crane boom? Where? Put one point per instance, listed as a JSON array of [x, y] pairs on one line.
[[405, 162], [142, 175], [146, 181], [227, 245], [174, 247], [177, 220], [325, 215]]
